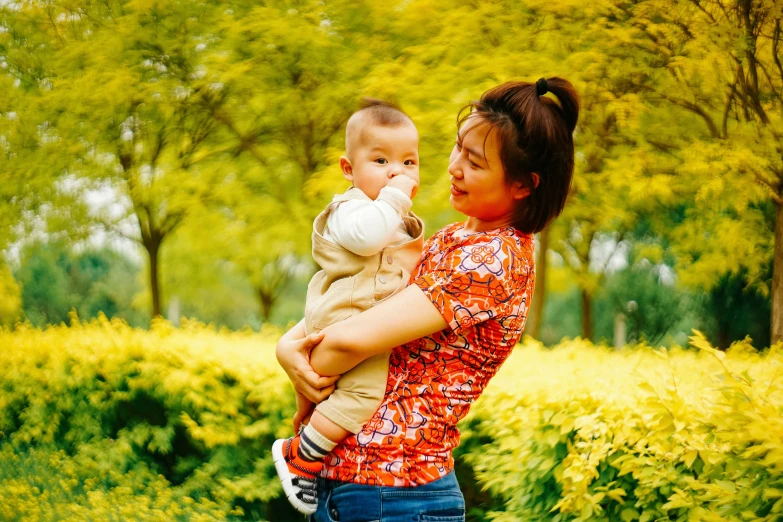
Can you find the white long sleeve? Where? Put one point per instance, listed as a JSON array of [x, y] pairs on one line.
[[365, 227]]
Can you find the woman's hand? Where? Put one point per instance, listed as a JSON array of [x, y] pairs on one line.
[[293, 354], [304, 410]]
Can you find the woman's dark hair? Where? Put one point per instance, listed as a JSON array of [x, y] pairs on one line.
[[535, 134]]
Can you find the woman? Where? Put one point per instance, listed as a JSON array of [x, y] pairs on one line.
[[453, 327]]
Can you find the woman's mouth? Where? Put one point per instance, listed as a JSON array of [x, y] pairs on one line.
[[456, 191]]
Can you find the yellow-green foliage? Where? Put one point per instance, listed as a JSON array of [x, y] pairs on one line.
[[585, 433], [11, 301], [100, 421], [50, 485], [121, 415]]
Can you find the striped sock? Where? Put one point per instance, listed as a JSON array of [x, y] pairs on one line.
[[314, 446]]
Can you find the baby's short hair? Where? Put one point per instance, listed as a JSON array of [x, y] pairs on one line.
[[384, 113], [373, 111]]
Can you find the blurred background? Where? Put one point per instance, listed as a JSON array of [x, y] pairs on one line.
[[168, 157]]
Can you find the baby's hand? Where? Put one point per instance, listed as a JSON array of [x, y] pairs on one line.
[[406, 184]]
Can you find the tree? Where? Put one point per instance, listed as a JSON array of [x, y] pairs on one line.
[[10, 298], [652, 306], [719, 61], [56, 280], [29, 159], [453, 67], [123, 114], [293, 73]]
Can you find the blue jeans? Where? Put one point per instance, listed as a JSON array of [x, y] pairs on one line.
[[438, 501]]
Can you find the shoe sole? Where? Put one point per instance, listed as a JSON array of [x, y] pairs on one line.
[[286, 478]]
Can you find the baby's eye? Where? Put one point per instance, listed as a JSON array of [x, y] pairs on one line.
[[410, 162], [381, 161]]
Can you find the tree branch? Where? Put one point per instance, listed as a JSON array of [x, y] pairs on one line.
[[775, 93], [775, 41], [609, 258], [701, 8], [725, 123], [170, 222], [770, 190], [110, 228], [691, 106]]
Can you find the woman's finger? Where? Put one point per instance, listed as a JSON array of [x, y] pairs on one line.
[[298, 418], [313, 394], [318, 382], [323, 393], [312, 340]]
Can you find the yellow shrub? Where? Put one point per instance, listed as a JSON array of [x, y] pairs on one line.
[[101, 421], [190, 408], [586, 433]]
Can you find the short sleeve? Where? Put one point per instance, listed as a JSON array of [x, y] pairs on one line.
[[475, 282]]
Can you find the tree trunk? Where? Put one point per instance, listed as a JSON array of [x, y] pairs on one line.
[[152, 245], [587, 315], [724, 336], [266, 303], [777, 278], [539, 293]]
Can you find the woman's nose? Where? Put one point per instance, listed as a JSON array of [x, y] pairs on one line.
[[454, 168]]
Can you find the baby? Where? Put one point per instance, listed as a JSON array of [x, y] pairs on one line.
[[367, 242]]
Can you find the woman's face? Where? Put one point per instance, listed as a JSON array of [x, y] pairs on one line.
[[478, 182]]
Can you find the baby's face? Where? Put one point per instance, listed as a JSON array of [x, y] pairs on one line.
[[384, 152]]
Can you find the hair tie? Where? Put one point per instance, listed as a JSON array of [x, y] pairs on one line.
[[542, 87]]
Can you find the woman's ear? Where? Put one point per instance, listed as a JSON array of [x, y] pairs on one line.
[[520, 191], [347, 168]]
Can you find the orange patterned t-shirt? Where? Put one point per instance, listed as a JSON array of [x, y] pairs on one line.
[[482, 284]]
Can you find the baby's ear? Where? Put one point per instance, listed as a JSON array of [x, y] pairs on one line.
[[347, 168]]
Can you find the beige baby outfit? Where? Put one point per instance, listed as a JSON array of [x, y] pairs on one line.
[[348, 284]]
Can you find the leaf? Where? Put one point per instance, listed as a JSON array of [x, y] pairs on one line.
[[727, 485], [689, 457], [629, 515]]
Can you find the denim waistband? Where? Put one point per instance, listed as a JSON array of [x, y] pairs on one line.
[[447, 482], [439, 500]]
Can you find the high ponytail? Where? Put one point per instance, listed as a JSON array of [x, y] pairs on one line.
[[569, 101], [535, 135]]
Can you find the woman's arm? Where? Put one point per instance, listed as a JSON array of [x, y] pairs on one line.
[[402, 318], [293, 354]]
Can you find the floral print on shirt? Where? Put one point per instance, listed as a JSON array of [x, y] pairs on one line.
[[482, 284]]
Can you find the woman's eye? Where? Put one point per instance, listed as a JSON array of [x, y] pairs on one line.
[[381, 161], [473, 165], [457, 144]]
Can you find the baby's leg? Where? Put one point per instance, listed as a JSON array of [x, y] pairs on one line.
[[355, 399], [331, 430]]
